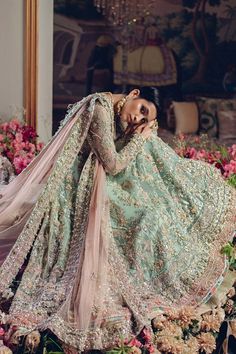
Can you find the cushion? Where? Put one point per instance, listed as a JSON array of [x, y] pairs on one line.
[[208, 108], [186, 117], [227, 127]]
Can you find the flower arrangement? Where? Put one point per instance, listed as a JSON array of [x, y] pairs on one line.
[[201, 148], [177, 331], [18, 143]]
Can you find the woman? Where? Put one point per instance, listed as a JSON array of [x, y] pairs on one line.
[[110, 235]]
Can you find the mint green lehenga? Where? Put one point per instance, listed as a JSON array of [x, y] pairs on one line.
[[106, 252]]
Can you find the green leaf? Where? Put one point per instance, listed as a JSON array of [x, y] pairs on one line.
[[232, 180], [223, 150], [121, 350], [49, 341], [228, 249]]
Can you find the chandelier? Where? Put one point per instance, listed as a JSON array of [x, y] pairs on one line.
[[120, 12]]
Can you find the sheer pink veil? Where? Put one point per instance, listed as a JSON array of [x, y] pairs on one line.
[[18, 200], [19, 197], [84, 307]]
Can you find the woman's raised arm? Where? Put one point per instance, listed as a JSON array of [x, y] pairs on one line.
[[101, 140]]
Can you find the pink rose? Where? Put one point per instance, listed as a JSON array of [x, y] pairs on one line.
[[17, 146], [230, 168], [201, 154], [31, 147], [191, 153], [146, 335], [19, 137], [10, 135], [14, 124], [134, 343], [10, 155], [20, 163], [4, 126], [29, 133], [30, 156], [39, 146]]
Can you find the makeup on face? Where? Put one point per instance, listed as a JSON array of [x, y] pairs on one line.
[[138, 111]]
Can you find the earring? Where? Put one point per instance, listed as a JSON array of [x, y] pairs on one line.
[[155, 125], [120, 105]]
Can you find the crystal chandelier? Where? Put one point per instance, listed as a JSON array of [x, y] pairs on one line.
[[120, 12]]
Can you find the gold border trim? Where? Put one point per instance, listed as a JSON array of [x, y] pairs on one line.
[[31, 61]]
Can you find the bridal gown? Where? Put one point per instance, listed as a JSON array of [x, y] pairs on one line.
[[97, 237]]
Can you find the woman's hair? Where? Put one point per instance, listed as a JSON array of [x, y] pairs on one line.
[[151, 94]]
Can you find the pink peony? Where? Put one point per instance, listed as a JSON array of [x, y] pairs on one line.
[[20, 163]]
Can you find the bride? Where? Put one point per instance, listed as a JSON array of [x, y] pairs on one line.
[[108, 227]]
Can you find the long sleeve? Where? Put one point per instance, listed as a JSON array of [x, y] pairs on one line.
[[101, 141]]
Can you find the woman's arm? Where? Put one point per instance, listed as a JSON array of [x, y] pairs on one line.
[[101, 141]]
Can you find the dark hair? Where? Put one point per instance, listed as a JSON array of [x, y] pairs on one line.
[[151, 94]]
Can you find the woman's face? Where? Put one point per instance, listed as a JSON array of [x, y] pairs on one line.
[[137, 110]]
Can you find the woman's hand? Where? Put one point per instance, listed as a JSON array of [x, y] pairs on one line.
[[144, 128]]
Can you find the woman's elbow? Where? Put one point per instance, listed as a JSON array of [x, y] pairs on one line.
[[112, 169]]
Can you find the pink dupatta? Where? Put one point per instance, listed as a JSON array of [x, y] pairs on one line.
[[20, 196]]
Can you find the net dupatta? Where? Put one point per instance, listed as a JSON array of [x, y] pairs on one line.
[[21, 195], [84, 306], [32, 192]]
